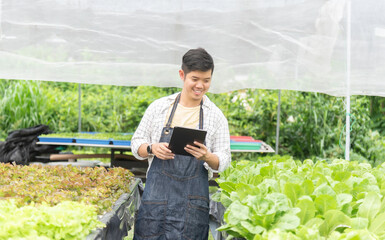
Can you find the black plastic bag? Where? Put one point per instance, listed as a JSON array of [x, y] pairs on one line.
[[20, 146]]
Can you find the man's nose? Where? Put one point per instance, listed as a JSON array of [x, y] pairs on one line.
[[199, 84]]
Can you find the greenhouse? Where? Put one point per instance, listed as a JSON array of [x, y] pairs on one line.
[[301, 84]]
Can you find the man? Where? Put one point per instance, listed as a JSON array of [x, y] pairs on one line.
[[175, 202]]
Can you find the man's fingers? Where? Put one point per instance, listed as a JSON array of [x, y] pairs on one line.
[[200, 145], [195, 148], [166, 149], [196, 152], [162, 151], [199, 151], [165, 152], [192, 152]]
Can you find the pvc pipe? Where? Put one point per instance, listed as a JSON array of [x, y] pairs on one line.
[[80, 107], [278, 122]]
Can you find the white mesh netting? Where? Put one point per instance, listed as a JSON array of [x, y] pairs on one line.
[[275, 44]]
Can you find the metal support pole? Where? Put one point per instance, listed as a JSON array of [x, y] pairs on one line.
[[278, 122], [1, 9], [347, 143], [348, 64], [80, 107]]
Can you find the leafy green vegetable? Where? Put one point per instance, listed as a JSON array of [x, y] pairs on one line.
[[370, 206], [65, 221], [287, 199], [334, 219], [306, 205], [378, 224], [54, 184]]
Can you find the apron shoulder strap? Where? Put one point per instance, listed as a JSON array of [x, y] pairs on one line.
[[168, 125]]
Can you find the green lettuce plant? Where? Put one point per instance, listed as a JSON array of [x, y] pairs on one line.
[[66, 220], [290, 199], [54, 184]]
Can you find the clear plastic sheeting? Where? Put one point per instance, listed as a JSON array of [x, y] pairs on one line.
[[275, 44]]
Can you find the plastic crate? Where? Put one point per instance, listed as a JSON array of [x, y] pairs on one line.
[[121, 142], [245, 145], [56, 139], [93, 141], [241, 138]]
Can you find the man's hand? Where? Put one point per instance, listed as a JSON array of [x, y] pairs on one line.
[[162, 151], [200, 152]]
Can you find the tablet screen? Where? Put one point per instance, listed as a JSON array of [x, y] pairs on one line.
[[182, 136]]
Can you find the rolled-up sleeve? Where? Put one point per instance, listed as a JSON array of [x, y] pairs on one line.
[[221, 145], [143, 132]]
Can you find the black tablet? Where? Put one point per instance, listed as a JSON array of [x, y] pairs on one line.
[[182, 136]]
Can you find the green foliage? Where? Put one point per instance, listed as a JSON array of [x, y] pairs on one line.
[[28, 103], [54, 184], [250, 112], [371, 145], [137, 102], [104, 108], [104, 136], [312, 124], [56, 202], [307, 129], [22, 105], [281, 198], [377, 113], [65, 221]]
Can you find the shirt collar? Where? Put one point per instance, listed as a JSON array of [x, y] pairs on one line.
[[206, 100], [171, 98]]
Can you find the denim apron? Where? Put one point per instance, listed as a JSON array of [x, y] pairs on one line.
[[175, 201]]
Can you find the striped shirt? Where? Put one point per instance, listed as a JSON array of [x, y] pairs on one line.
[[215, 123]]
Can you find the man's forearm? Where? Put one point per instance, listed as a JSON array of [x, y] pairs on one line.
[[160, 150], [142, 151]]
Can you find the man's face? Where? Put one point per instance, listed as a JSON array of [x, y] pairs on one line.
[[196, 84]]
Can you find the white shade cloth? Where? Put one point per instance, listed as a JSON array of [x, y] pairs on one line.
[[274, 44]]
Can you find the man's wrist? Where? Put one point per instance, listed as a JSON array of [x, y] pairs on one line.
[[212, 160], [149, 150], [207, 157]]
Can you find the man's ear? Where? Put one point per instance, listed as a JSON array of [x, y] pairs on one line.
[[181, 74]]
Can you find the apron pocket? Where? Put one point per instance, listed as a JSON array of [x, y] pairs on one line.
[[151, 218], [197, 218], [181, 168]]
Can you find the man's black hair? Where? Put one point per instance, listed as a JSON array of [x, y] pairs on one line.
[[197, 60]]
